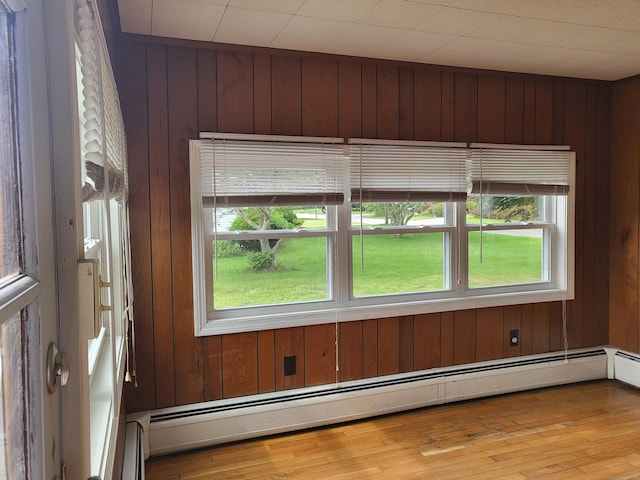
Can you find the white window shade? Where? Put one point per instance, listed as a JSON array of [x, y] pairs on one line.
[[250, 171], [102, 127], [517, 171], [407, 171]]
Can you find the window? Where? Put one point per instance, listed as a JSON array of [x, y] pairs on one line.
[[294, 231], [19, 289], [105, 267]]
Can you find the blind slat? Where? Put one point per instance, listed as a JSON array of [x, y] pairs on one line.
[[404, 172], [256, 172], [520, 172]]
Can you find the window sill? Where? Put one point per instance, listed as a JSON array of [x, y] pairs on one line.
[[254, 323]]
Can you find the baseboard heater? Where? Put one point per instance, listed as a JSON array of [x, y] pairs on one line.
[[627, 368], [198, 425]]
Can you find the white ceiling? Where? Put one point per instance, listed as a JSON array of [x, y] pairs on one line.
[[597, 39]]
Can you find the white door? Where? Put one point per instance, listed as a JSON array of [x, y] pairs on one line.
[[28, 301]]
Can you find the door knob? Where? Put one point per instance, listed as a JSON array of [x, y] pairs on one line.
[[57, 367]]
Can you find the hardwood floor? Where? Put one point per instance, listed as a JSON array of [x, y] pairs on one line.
[[584, 431]]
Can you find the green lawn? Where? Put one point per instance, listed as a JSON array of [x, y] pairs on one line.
[[392, 264]]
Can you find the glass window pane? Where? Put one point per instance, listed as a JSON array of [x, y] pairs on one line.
[[398, 263], [397, 214], [509, 257], [9, 213], [265, 218], [12, 410], [248, 274], [505, 209]]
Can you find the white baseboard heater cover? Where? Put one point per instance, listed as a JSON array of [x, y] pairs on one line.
[[627, 368], [193, 426]]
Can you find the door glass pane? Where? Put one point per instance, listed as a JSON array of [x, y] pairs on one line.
[[12, 411], [9, 218]]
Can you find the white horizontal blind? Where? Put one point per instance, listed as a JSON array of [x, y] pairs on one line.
[[511, 171], [250, 172], [403, 172], [115, 139], [91, 123]]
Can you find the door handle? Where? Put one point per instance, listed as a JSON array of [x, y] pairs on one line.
[[57, 367]]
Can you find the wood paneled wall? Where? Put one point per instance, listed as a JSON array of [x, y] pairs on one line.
[[170, 92], [624, 314]]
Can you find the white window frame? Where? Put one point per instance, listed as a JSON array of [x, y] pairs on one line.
[[559, 285], [106, 236]]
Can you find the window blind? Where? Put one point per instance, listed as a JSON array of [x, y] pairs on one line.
[[407, 171], [519, 171], [101, 125], [244, 171]]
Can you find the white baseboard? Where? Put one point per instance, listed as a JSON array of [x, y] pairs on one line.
[[198, 425]]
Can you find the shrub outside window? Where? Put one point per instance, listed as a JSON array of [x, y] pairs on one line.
[[292, 231]]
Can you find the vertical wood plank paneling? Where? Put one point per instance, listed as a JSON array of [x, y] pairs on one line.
[[426, 341], [240, 364], [491, 108], [464, 337], [319, 97], [544, 112], [207, 91], [266, 361], [405, 342], [514, 110], [387, 108], [349, 100], [557, 127], [133, 74], [370, 348], [447, 336], [625, 204], [262, 93], [350, 350], [183, 124], [601, 215], [529, 112], [574, 135], [466, 107], [286, 115], [489, 333], [512, 321], [369, 96], [212, 365], [159, 174], [526, 334], [290, 341], [540, 325], [447, 129], [235, 91], [589, 205], [246, 92], [556, 329], [388, 346], [406, 101], [320, 354], [427, 99]]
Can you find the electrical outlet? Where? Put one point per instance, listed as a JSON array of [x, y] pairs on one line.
[[514, 338], [289, 365]]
